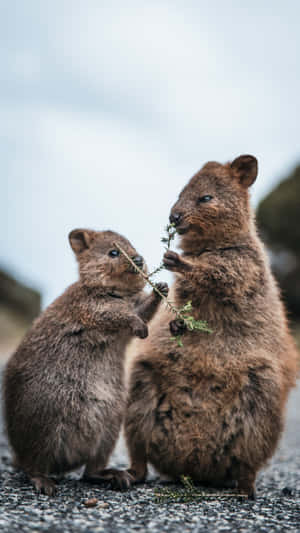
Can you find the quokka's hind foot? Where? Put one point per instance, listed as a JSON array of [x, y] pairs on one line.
[[249, 491], [44, 485], [222, 484], [247, 486], [111, 477], [244, 477]]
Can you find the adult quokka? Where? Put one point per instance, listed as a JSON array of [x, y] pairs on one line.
[[64, 395], [214, 409]]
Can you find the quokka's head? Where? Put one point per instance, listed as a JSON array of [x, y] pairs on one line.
[[214, 205], [101, 264]]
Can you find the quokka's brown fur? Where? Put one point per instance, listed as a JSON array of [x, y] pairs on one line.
[[64, 395], [213, 409]]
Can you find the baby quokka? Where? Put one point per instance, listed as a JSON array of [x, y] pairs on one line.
[[64, 395]]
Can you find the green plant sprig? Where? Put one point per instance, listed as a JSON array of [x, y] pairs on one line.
[[191, 323], [171, 232], [183, 312], [189, 493], [146, 277]]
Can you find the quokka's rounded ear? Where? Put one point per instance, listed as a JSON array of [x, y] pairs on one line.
[[245, 168], [80, 240]]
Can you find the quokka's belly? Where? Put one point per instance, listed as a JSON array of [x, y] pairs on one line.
[[196, 435]]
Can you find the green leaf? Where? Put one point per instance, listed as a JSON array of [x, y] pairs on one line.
[[178, 340]]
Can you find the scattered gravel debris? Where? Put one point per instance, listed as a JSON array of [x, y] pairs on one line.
[[276, 509]]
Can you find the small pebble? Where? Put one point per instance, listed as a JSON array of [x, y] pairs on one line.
[[92, 502]]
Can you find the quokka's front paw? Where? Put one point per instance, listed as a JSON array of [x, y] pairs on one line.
[[177, 327], [162, 287], [172, 261], [139, 329]]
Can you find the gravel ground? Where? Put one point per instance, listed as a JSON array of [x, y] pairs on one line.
[[277, 507]]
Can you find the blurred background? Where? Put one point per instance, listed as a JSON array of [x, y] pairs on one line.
[[106, 110]]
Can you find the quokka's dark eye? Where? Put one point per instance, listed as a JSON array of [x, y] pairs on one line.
[[204, 199], [114, 253]]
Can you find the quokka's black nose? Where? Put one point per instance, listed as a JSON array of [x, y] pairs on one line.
[[138, 260], [175, 218]]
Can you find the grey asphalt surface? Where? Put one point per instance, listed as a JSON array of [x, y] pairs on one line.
[[277, 507]]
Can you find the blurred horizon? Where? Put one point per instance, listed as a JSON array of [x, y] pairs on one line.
[[107, 109]]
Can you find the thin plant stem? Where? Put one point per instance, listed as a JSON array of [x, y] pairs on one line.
[[188, 320], [171, 232], [149, 281], [182, 314]]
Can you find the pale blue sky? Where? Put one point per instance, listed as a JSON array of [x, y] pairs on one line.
[[107, 108]]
